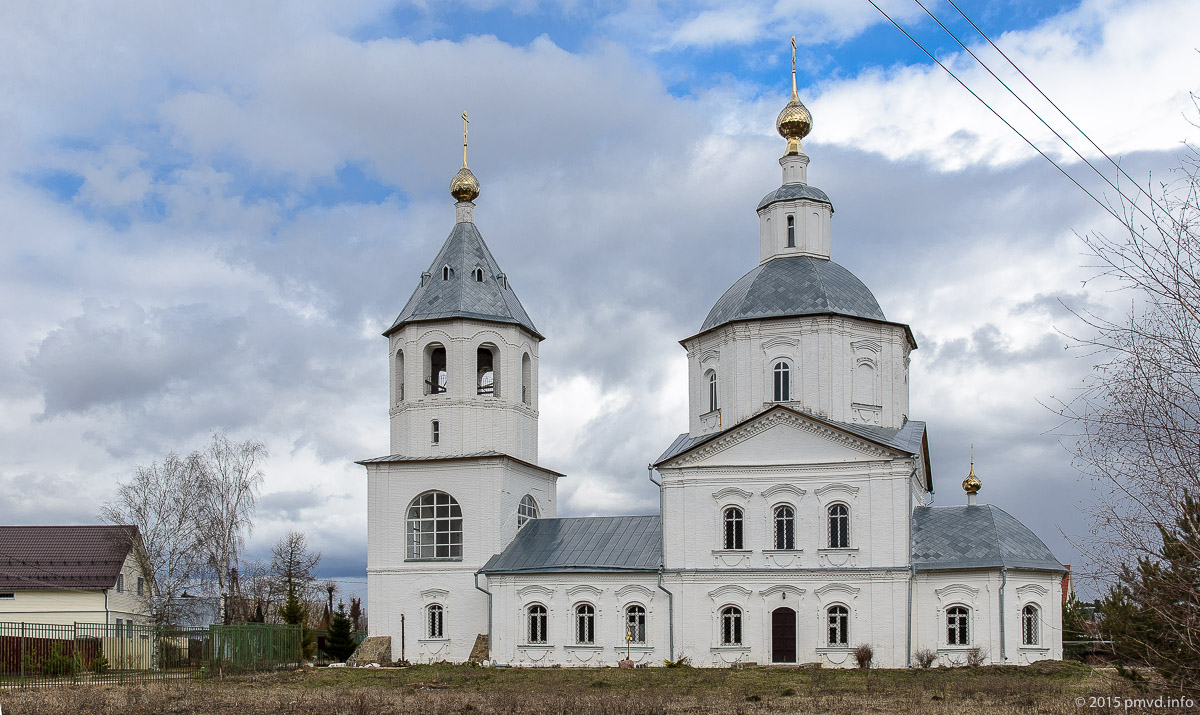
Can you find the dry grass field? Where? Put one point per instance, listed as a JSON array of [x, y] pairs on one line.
[[1044, 688]]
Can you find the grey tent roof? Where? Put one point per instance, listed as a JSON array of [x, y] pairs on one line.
[[461, 296], [791, 192], [983, 536], [794, 285], [597, 543]]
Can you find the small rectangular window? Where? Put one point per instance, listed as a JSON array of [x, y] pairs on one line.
[[141, 586], [120, 583], [7, 596], [436, 432]]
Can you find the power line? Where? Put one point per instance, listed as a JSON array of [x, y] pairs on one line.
[[1035, 113], [1100, 203], [1057, 108]]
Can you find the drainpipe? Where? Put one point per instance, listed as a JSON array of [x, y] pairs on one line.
[[662, 550], [912, 575], [489, 595], [1003, 583]]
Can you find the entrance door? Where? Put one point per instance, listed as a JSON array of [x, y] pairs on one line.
[[783, 635]]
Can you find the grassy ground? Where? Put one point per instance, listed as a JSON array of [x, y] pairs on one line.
[[1050, 687]]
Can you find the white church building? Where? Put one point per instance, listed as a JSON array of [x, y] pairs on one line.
[[796, 518]]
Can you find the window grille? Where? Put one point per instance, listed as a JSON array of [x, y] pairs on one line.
[[957, 632], [839, 626], [585, 624], [785, 528], [436, 621], [635, 624], [733, 528], [537, 624], [527, 510], [839, 527], [1029, 625], [731, 626]]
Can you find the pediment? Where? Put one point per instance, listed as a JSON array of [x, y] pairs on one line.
[[782, 437]]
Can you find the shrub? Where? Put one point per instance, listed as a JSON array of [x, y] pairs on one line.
[[99, 664], [683, 662], [863, 655], [976, 656], [58, 663], [925, 657]]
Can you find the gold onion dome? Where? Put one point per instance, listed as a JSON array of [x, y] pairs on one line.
[[464, 186], [972, 484], [795, 121]]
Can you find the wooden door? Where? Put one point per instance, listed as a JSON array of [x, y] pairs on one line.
[[783, 635]]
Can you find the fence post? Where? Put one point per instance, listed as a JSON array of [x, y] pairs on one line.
[[22, 654]]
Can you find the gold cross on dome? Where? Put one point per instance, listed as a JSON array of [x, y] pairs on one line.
[[793, 53], [465, 123]]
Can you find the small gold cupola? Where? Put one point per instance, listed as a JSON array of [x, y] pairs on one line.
[[795, 121], [971, 485], [464, 186]]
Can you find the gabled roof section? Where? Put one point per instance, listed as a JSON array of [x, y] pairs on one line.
[[488, 454], [63, 557], [981, 536], [461, 296], [597, 543], [909, 439], [792, 192]]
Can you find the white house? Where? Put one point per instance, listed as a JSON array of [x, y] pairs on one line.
[[796, 518]]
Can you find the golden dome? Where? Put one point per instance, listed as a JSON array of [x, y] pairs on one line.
[[972, 484], [794, 123], [464, 186]]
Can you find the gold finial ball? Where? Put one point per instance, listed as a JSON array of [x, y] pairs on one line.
[[794, 123], [972, 484], [464, 186]]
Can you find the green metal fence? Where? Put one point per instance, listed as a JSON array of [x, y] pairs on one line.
[[45, 654]]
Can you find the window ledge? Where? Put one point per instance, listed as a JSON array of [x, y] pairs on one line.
[[536, 646], [634, 648], [831, 550], [1041, 648], [433, 640], [954, 648], [731, 648], [788, 551], [584, 646], [717, 552], [835, 649], [435, 559]]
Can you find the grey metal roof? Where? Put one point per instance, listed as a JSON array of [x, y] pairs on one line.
[[794, 285], [791, 192], [449, 457], [983, 536], [596, 543], [462, 296], [907, 439]]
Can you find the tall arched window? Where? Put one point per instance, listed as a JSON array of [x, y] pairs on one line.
[[537, 622], [446, 273], [785, 527], [864, 383], [710, 382], [838, 618], [791, 231], [733, 528], [526, 379], [839, 526], [585, 624], [399, 381], [435, 369], [435, 527], [1029, 625], [635, 624], [957, 628], [435, 621], [477, 274], [485, 370], [731, 625], [783, 381], [527, 510]]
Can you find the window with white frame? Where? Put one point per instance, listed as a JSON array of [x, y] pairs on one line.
[[120, 583], [783, 381], [527, 510], [733, 528], [839, 526], [791, 231], [838, 619], [436, 621], [537, 622], [1030, 620], [785, 527], [710, 382], [435, 432], [585, 624], [635, 623], [731, 625], [958, 626], [435, 527]]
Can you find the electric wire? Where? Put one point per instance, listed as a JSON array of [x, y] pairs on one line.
[[1057, 108], [1045, 156]]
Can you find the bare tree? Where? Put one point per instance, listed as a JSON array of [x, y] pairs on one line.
[[293, 565], [162, 500], [231, 481]]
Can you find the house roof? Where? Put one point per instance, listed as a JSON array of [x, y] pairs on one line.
[[978, 536], [461, 296], [63, 557], [596, 543]]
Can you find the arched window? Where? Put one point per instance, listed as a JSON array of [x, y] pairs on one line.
[[435, 527], [785, 527], [791, 231], [635, 624], [526, 379], [485, 364], [838, 618], [839, 526], [435, 369], [477, 274], [957, 629], [710, 382], [435, 621], [527, 510], [783, 382], [585, 624], [435, 432], [733, 528], [446, 273], [399, 380], [731, 625], [864, 383], [537, 623], [1029, 625]]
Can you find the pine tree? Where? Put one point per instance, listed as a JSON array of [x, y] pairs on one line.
[[293, 612], [340, 644]]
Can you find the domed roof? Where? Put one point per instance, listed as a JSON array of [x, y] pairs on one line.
[[794, 285], [791, 192]]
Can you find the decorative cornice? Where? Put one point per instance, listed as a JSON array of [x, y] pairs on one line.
[[772, 418], [1035, 588], [434, 594], [771, 344], [868, 344], [584, 589], [831, 488], [960, 590], [730, 589], [634, 589], [781, 588], [731, 491], [843, 588], [534, 589], [770, 492]]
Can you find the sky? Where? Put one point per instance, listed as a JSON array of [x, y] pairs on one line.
[[212, 210]]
